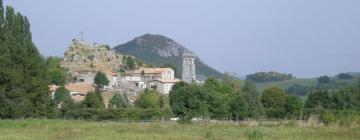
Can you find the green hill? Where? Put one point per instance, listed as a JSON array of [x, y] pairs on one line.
[[310, 82], [159, 50]]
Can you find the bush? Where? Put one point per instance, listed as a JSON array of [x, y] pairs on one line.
[[327, 118]]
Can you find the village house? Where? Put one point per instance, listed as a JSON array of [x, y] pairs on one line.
[[77, 91], [163, 86], [161, 79]]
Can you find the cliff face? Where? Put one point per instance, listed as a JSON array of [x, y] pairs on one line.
[[84, 56], [159, 50]]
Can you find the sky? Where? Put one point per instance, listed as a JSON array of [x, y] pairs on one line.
[[306, 38]]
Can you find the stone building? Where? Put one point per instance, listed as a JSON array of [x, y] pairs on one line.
[[188, 73], [161, 79]]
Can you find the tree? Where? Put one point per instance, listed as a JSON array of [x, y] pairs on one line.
[[239, 107], [273, 100], [324, 80], [293, 106], [344, 76], [318, 100], [148, 99], [93, 100], [130, 63], [117, 101], [268, 76], [218, 98], [255, 107], [100, 80], [56, 75], [23, 81], [298, 90], [185, 102], [61, 95]]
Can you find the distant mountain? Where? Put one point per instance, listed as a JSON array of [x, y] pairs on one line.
[[159, 50]]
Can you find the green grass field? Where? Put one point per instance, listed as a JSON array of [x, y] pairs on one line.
[[81, 130]]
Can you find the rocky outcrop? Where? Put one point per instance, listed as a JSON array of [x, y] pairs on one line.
[[84, 56]]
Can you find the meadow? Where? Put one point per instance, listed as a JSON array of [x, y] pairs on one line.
[[83, 130]]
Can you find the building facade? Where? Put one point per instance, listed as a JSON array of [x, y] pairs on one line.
[[188, 72]]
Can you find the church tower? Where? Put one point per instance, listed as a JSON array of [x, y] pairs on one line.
[[188, 72]]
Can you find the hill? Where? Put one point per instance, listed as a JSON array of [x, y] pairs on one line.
[[306, 82], [159, 50], [85, 56]]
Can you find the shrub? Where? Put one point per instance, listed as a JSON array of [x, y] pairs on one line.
[[327, 118]]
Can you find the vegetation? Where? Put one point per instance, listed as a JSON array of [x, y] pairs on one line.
[[85, 130], [147, 51], [61, 95], [101, 80], [268, 76], [324, 80], [273, 100], [55, 74], [23, 80], [93, 100], [344, 76], [118, 101]]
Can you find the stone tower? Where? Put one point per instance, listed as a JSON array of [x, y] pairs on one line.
[[188, 72]]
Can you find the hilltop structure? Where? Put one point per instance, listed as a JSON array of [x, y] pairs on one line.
[[188, 73]]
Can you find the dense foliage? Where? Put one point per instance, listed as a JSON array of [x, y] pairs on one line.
[[344, 76], [268, 76], [23, 81], [55, 74], [299, 90], [101, 80], [324, 80]]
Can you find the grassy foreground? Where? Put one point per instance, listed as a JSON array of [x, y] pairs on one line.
[[81, 130]]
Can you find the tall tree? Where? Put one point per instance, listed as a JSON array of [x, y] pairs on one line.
[[23, 83], [255, 107]]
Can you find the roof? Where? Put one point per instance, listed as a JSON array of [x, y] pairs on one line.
[[82, 88], [152, 70], [166, 81]]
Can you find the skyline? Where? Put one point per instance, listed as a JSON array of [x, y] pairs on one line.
[[305, 38]]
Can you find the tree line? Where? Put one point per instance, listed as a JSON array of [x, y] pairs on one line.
[[268, 76], [236, 100]]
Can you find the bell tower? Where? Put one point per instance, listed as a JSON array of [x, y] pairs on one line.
[[188, 72]]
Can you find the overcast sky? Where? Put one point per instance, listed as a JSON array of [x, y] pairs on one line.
[[304, 37]]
